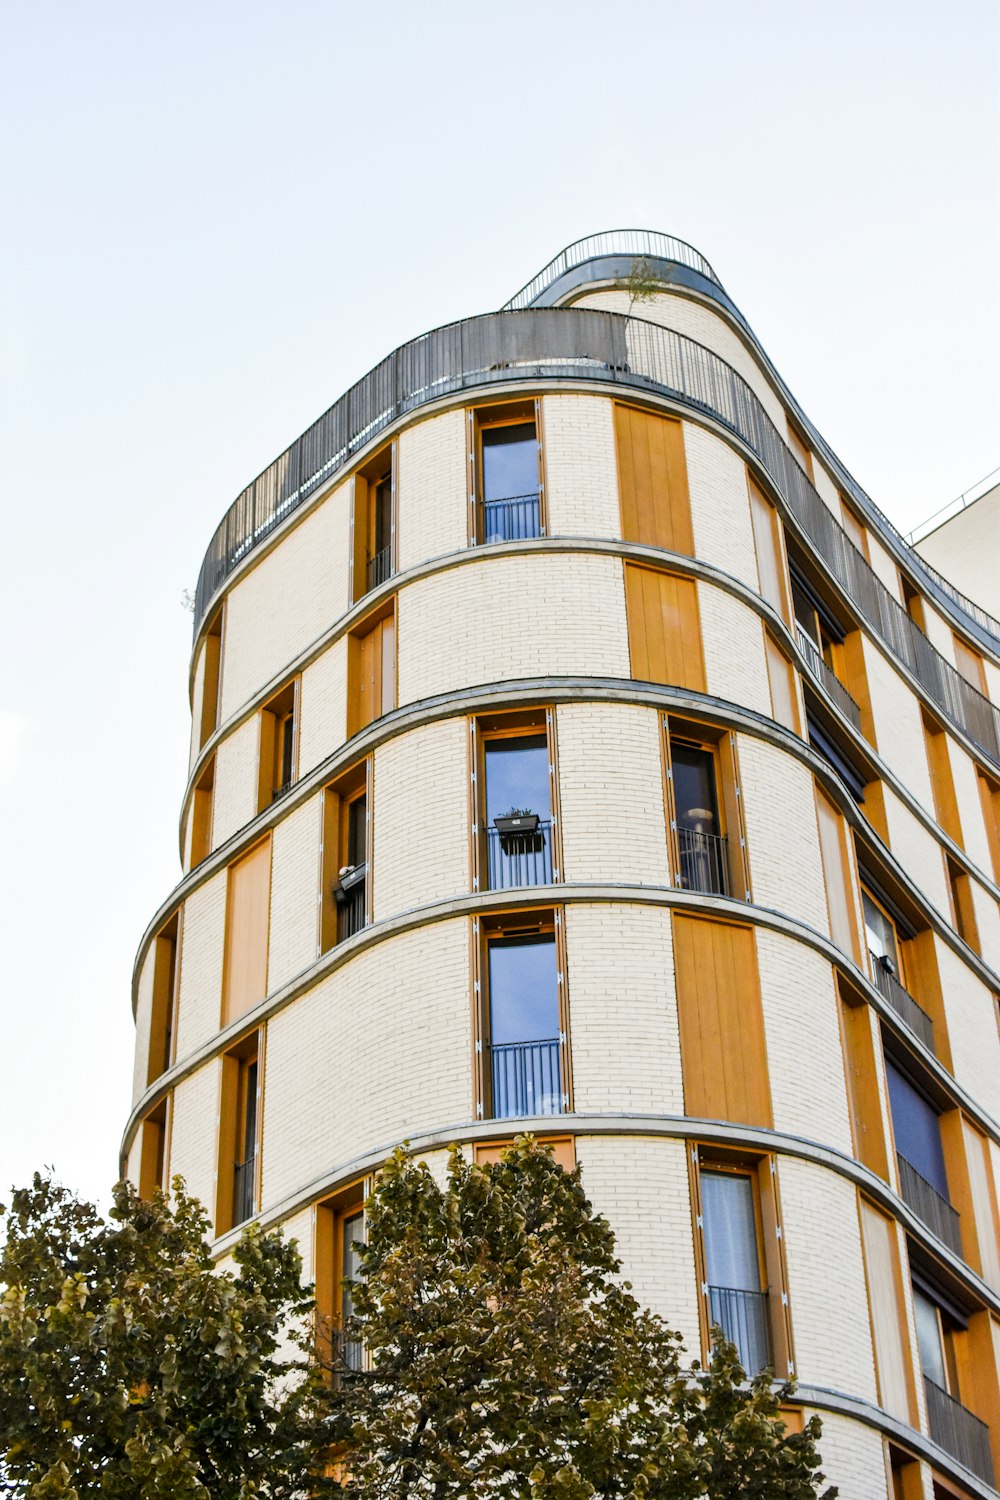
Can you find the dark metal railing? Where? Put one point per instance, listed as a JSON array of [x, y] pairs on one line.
[[585, 344], [902, 1002], [244, 1184], [704, 861], [928, 1205], [379, 569], [744, 1319], [352, 906], [527, 1078], [347, 1353], [513, 519], [959, 1431], [516, 859], [642, 244], [827, 678], [280, 791]]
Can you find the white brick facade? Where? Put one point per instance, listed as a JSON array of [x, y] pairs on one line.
[[581, 473]]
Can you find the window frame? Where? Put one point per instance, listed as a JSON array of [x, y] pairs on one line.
[[235, 1065], [512, 413], [201, 815], [212, 652], [365, 486], [274, 777], [721, 744], [485, 729], [373, 620], [336, 799]]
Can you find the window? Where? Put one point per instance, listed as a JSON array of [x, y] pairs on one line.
[[958, 1363], [664, 628], [208, 681], [707, 850], [200, 846], [523, 1023], [963, 913], [721, 1021], [781, 678], [239, 1126], [248, 901], [923, 1180], [735, 1285], [942, 780], [371, 669], [152, 1152], [161, 1013], [340, 1229], [278, 753], [837, 876], [829, 741], [800, 450], [515, 846], [506, 473], [767, 536], [373, 524], [970, 665], [346, 888], [859, 1039], [889, 960], [652, 480]]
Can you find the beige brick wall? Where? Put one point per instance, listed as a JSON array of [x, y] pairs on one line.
[[735, 663], [292, 944], [581, 470], [432, 489], [939, 632], [705, 327], [143, 1012], [808, 1087], [623, 1010], [972, 1029], [611, 793], [199, 1002], [988, 923], [825, 487], [970, 807], [421, 818], [380, 1051], [293, 594], [640, 1184], [323, 706], [898, 727], [917, 850], [195, 1132], [782, 837], [720, 505], [512, 617], [852, 1458], [234, 798], [826, 1279], [884, 566]]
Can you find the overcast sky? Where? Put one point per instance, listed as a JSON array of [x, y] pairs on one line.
[[220, 215]]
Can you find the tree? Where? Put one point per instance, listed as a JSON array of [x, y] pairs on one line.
[[131, 1367], [643, 282], [507, 1358]]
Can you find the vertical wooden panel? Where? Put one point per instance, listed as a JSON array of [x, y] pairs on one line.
[[387, 645], [652, 480], [862, 1087], [942, 781], [247, 914], [721, 1022], [970, 665], [211, 656], [782, 681], [989, 796], [664, 628], [837, 877], [770, 564], [893, 1361], [228, 1111], [164, 979], [983, 1202], [359, 539]]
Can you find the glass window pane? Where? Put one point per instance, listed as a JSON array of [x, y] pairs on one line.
[[356, 840], [250, 1115], [524, 1003], [730, 1231], [879, 930], [929, 1339], [517, 775], [510, 461], [352, 1229], [694, 788], [916, 1129]]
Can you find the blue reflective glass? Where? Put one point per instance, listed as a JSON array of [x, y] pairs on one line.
[[524, 1003], [517, 775], [510, 461], [916, 1129]]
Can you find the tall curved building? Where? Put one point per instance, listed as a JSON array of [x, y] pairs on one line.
[[578, 749]]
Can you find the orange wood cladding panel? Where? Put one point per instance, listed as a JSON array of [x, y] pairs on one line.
[[782, 682], [885, 1300], [770, 565], [652, 480], [247, 912], [374, 687], [837, 878], [721, 1022], [664, 628]]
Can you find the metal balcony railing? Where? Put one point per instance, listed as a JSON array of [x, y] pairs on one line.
[[928, 1205], [347, 1353], [902, 1002], [352, 907], [513, 519], [704, 861], [827, 678], [744, 1319], [244, 1184], [959, 1431], [516, 859], [379, 568], [280, 791], [527, 1078]]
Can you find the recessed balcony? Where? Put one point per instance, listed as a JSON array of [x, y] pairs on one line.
[[902, 1002], [959, 1431], [928, 1205], [827, 679]]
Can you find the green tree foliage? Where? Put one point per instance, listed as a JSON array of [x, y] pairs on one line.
[[130, 1367], [509, 1359]]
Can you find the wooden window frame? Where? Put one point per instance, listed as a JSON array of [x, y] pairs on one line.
[[336, 799], [722, 746], [364, 495], [518, 922], [165, 951], [800, 449], [902, 954], [989, 797], [563, 1149], [513, 413], [963, 911], [855, 529], [227, 1016], [761, 1169], [356, 720], [154, 1150], [849, 872], [213, 643], [201, 814], [483, 730], [861, 1041], [274, 777], [329, 1217], [668, 478], [941, 776], [763, 513], [234, 1075]]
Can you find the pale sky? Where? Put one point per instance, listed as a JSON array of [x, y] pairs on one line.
[[219, 215]]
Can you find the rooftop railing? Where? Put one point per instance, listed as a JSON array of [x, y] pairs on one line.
[[902, 1002], [584, 344], [929, 1206], [958, 1431], [641, 244], [827, 678]]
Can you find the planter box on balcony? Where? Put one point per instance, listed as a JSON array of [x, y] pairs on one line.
[[519, 835], [349, 880]]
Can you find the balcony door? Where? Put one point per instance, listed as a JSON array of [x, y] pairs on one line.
[[737, 1297], [702, 858], [524, 1036], [518, 807]]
